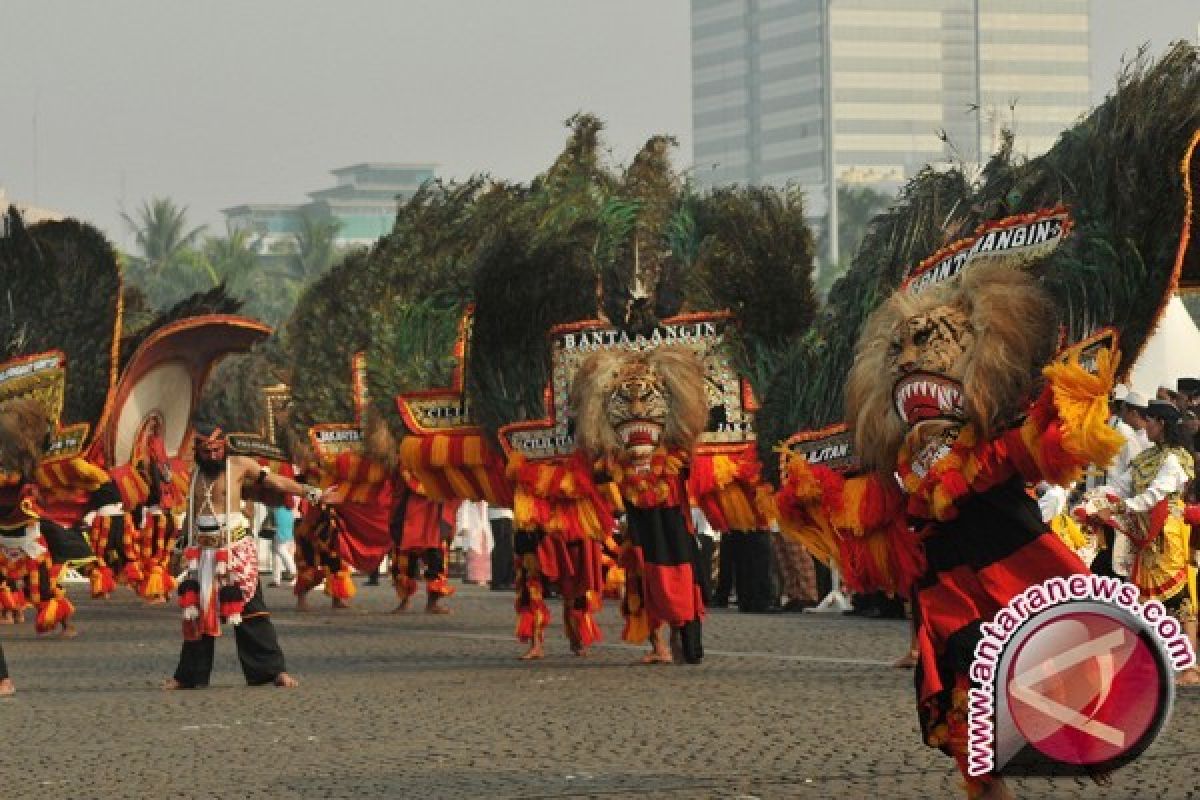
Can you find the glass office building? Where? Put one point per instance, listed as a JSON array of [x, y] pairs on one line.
[[870, 91]]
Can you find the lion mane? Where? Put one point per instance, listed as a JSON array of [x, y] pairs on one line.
[[1015, 331], [23, 430], [678, 374]]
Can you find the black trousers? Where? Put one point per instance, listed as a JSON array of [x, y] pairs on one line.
[[257, 649], [727, 558], [1102, 564], [504, 576], [432, 560], [3, 666], [754, 571]]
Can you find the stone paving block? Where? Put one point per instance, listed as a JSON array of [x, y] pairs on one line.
[[785, 706]]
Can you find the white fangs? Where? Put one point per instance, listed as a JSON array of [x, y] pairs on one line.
[[945, 395], [650, 429]]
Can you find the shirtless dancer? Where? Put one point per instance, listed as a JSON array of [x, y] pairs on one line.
[[216, 489]]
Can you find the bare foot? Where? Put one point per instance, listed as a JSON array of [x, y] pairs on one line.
[[302, 604], [68, 631], [402, 606], [906, 661], [6, 687], [434, 608], [157, 600], [285, 681], [172, 685], [579, 650], [19, 617], [339, 604], [6, 619], [657, 657], [534, 652]]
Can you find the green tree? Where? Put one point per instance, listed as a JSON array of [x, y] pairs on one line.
[[233, 259], [313, 249], [856, 207], [166, 266], [162, 235]]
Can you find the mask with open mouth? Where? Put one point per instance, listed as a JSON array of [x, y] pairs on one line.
[[640, 437], [924, 397], [968, 351], [629, 405]]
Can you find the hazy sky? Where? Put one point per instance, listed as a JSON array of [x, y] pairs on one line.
[[221, 102]]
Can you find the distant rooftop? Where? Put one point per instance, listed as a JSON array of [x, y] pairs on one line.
[[383, 166]]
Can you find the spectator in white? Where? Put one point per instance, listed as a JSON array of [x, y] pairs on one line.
[[500, 521], [472, 530], [1130, 421], [1127, 419], [706, 537]]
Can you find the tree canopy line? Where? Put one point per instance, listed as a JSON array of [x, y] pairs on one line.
[[172, 260], [557, 249]]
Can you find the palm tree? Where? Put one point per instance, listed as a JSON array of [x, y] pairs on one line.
[[233, 258], [162, 235], [315, 250], [857, 205]]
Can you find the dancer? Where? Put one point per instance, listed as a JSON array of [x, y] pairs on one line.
[[1151, 501], [417, 533], [928, 397], [222, 578], [639, 416]]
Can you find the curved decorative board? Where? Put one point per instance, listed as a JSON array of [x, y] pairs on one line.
[[165, 377]]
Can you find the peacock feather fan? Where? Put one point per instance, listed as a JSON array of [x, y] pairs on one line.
[[641, 226], [1117, 170], [62, 290], [751, 252], [412, 348]]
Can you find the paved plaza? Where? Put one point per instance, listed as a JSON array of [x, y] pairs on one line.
[[785, 705]]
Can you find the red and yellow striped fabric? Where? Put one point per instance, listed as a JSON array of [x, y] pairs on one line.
[[462, 466], [560, 498], [361, 479], [730, 491], [70, 475]]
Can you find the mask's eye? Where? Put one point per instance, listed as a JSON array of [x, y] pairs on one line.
[[921, 338]]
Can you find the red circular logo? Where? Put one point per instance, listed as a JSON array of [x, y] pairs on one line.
[[1084, 688]]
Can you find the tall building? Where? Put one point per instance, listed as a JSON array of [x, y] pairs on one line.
[[363, 203], [870, 91]]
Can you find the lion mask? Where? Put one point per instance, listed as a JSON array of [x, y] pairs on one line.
[[627, 404], [969, 350]]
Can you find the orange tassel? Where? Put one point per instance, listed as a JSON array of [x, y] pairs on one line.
[[340, 585], [102, 580], [153, 586], [53, 612]]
